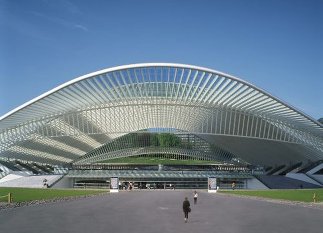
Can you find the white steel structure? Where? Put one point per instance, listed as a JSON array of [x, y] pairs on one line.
[[65, 124]]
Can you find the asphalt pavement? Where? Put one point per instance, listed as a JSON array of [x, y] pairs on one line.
[[161, 212]]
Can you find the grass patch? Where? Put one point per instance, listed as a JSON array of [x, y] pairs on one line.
[[304, 195], [156, 161], [30, 194]]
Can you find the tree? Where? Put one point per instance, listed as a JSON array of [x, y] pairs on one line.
[[168, 140]]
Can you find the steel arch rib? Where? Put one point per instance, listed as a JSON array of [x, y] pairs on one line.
[[116, 101], [143, 65]]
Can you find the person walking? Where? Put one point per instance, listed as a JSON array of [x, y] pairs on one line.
[[233, 185], [186, 208], [195, 197]]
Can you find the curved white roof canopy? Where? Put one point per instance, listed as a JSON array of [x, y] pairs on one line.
[[69, 121]]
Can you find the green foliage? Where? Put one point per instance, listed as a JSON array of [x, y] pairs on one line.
[[304, 195], [168, 140], [156, 139], [29, 194]]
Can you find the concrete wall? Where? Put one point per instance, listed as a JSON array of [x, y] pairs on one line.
[[302, 177], [318, 177], [64, 183], [255, 184]]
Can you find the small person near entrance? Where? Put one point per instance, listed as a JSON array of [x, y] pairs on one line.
[[233, 185], [195, 197]]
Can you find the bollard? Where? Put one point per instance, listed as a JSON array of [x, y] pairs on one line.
[[9, 198], [314, 197]]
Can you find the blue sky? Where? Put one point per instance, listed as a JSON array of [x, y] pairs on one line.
[[276, 45]]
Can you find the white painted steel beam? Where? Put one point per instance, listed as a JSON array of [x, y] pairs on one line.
[[125, 99]]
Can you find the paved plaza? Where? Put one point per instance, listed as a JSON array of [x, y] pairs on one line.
[[161, 211]]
